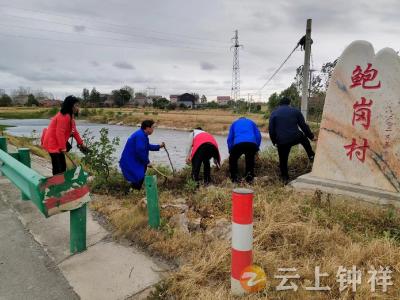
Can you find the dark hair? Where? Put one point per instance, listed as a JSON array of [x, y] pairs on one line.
[[284, 101], [199, 128], [68, 104], [147, 124]]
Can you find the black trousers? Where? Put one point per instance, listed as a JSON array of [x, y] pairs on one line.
[[249, 150], [202, 156], [58, 162], [284, 150], [137, 185]]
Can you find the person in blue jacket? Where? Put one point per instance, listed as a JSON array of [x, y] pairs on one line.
[[244, 138], [135, 157], [284, 124]]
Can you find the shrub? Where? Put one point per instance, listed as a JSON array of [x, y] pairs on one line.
[[99, 158]]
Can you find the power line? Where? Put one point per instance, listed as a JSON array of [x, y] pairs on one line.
[[115, 32], [96, 44], [109, 31], [280, 67], [116, 25]]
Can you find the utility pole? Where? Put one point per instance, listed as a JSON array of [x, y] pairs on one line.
[[306, 70], [235, 92]]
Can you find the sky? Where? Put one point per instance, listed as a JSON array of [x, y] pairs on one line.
[[177, 46]]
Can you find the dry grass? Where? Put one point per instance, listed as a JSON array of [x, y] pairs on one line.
[[211, 120], [290, 230], [25, 142]]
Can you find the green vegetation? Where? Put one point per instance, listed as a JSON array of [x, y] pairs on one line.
[[28, 113]]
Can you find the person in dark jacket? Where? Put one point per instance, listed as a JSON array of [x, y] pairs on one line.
[[135, 156], [201, 148], [244, 138], [284, 124]]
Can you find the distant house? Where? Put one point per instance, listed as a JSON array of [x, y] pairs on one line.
[[50, 103], [189, 100], [223, 100], [20, 99], [173, 98], [109, 101], [141, 100]]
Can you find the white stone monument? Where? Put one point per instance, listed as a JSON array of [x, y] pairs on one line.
[[358, 149]]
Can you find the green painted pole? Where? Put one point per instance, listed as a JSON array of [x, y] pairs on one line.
[[78, 230], [152, 201], [3, 143], [25, 158]]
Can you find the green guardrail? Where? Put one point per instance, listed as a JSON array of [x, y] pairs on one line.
[[67, 191]]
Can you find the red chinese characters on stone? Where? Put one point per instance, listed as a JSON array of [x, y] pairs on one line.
[[361, 77], [360, 151], [362, 112]]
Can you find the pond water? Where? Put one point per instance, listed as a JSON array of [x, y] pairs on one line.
[[175, 140]]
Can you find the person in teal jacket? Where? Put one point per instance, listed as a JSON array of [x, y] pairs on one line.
[[135, 157], [244, 138]]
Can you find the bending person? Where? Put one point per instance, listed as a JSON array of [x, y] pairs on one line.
[[202, 147], [244, 138], [135, 156]]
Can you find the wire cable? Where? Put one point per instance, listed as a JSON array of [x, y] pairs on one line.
[[116, 25], [280, 67]]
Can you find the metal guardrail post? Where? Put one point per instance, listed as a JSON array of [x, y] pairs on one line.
[[25, 158], [3, 143], [3, 146], [78, 230], [152, 201]]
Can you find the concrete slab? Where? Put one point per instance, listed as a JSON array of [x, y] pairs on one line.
[[110, 271], [107, 270], [26, 271], [310, 183], [52, 233]]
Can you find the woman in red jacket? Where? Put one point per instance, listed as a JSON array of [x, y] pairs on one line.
[[61, 127]]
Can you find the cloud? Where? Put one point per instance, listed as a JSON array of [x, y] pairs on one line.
[[94, 63], [123, 65], [207, 66], [79, 28]]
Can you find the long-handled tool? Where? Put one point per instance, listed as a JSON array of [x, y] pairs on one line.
[[70, 158], [169, 158], [159, 172]]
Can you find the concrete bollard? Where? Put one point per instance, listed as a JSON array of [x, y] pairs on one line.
[[242, 236], [24, 157], [152, 201]]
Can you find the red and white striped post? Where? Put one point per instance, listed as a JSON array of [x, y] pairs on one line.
[[242, 236]]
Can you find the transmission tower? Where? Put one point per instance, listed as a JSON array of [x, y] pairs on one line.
[[235, 92]]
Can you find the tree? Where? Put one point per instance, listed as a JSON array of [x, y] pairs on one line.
[[161, 103], [32, 101], [129, 89], [203, 99], [94, 97], [5, 100], [291, 92], [273, 101], [121, 97], [86, 95]]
